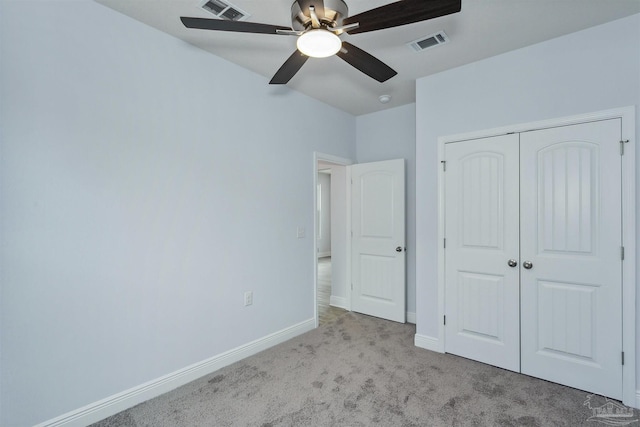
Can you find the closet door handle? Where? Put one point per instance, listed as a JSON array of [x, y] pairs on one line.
[[527, 264], [512, 263]]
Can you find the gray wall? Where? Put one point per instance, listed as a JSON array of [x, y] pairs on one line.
[[137, 205], [591, 70], [386, 135]]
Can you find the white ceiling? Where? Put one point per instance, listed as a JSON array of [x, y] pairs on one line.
[[482, 29]]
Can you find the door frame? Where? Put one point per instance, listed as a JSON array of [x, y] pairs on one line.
[[339, 161], [628, 128]]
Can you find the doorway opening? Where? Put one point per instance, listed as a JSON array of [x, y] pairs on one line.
[[330, 257], [326, 312]]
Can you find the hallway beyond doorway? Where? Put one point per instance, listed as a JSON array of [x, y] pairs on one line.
[[325, 311]]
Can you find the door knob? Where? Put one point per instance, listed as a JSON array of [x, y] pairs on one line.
[[512, 263], [399, 249], [527, 265]]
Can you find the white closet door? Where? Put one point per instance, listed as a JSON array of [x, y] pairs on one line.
[[571, 234], [481, 228]]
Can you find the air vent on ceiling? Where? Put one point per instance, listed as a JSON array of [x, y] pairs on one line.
[[428, 42], [225, 10]]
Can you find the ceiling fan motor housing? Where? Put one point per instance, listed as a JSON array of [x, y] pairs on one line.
[[332, 15]]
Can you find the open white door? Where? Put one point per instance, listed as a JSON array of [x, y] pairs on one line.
[[378, 240]]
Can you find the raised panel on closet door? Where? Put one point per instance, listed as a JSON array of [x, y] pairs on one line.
[[481, 228], [570, 210]]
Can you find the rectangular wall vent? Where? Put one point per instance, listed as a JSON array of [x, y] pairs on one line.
[[225, 10], [428, 42]]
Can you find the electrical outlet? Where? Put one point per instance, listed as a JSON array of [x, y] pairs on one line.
[[248, 298]]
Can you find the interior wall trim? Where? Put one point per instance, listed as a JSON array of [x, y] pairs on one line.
[[411, 317], [111, 405], [340, 302], [428, 343]]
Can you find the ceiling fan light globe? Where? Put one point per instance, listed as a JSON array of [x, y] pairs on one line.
[[319, 43]]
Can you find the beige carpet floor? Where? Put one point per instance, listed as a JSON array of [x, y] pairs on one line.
[[362, 371]]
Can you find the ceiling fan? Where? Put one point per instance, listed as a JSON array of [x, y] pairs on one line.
[[319, 24]]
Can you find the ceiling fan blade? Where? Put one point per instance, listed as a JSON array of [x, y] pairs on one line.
[[402, 13], [289, 69], [317, 4], [237, 26], [367, 63]]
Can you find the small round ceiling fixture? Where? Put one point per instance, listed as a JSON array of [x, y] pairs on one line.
[[319, 43], [384, 98]]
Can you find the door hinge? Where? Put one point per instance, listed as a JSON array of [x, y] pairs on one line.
[[352, 286], [444, 243], [622, 146], [622, 253], [445, 319], [623, 357], [444, 165]]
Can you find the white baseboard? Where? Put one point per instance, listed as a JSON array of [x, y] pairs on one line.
[[637, 402], [340, 302], [428, 343], [119, 402], [411, 317]]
